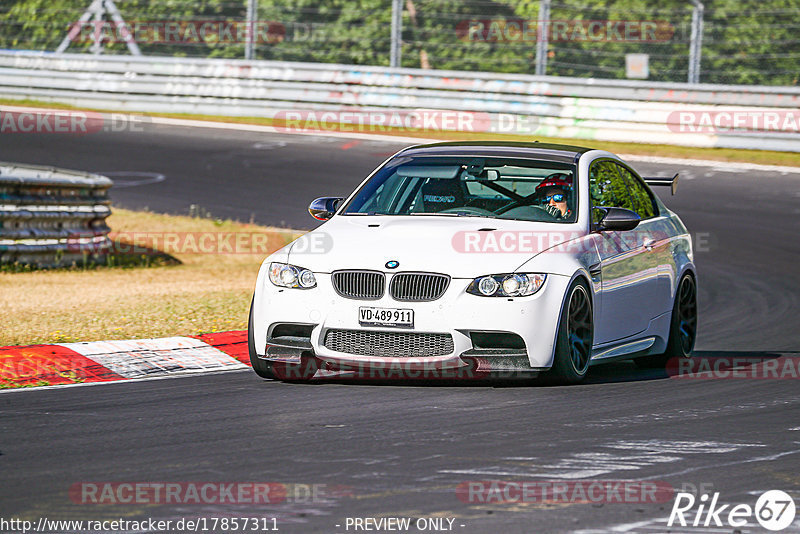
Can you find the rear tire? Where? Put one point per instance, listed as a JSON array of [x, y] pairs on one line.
[[682, 328], [575, 337]]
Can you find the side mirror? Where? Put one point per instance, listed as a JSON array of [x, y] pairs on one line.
[[323, 208], [618, 220]]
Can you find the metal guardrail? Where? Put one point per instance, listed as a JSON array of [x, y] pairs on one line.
[[611, 110], [52, 217]]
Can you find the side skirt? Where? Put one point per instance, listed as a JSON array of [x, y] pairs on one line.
[[624, 350]]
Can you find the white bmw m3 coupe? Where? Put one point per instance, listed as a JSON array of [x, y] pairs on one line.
[[477, 259]]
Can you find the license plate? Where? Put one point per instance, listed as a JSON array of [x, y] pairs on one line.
[[368, 316]]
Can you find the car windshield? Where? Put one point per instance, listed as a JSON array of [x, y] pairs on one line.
[[520, 189]]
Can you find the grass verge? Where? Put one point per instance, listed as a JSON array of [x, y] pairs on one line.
[[765, 157], [206, 292]]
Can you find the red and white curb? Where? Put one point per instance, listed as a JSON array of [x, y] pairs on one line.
[[109, 361]]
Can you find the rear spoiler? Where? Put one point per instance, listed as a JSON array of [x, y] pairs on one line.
[[663, 180]]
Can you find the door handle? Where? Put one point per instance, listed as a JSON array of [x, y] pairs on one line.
[[649, 243]]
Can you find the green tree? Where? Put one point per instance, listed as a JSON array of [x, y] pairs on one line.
[[745, 41]]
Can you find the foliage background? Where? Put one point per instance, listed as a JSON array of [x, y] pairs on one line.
[[744, 42]]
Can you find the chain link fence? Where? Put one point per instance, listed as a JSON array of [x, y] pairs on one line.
[[755, 42]]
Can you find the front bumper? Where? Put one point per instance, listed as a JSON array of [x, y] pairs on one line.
[[457, 313]]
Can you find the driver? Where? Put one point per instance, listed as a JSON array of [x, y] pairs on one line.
[[552, 194]]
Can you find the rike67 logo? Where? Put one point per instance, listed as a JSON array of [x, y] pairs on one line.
[[774, 510]]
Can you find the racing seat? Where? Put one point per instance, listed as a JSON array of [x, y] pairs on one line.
[[441, 194]]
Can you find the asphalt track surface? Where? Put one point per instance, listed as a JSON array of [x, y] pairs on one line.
[[400, 450]]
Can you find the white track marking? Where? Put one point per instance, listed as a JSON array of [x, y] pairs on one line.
[[682, 414], [722, 166], [677, 447], [768, 458], [659, 525], [632, 455], [140, 178]]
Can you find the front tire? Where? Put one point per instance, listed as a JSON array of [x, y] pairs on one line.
[[682, 329], [261, 367], [287, 372], [575, 336]]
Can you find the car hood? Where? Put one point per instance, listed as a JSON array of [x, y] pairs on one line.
[[462, 247]]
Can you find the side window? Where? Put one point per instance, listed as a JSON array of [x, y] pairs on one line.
[[642, 202], [607, 188]]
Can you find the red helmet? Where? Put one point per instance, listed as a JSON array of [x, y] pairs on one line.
[[557, 179]]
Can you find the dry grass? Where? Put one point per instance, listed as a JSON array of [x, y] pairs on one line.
[[766, 157], [205, 293]]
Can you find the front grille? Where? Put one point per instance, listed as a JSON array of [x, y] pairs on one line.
[[365, 285], [418, 287], [389, 344]]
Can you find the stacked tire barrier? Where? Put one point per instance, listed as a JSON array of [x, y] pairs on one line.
[[52, 217], [592, 109]]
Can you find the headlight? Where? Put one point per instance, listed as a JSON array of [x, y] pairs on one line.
[[507, 285], [283, 275]]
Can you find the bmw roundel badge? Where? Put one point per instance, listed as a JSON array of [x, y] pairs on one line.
[[393, 264]]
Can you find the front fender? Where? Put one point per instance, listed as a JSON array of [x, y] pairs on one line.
[[566, 259]]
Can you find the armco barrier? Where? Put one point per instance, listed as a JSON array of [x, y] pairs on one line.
[[609, 110], [51, 217]]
